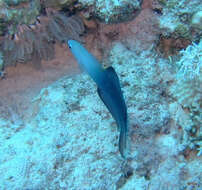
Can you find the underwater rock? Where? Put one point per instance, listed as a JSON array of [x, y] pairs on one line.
[[25, 13], [113, 11], [176, 19], [66, 131], [155, 139], [187, 89], [15, 2], [57, 4], [169, 46], [187, 86], [69, 139]]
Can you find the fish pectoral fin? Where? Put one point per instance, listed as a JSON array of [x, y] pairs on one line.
[[103, 97], [113, 77]]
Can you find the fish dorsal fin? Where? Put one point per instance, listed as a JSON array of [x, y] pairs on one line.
[[103, 96]]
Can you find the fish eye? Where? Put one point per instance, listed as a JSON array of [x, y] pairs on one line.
[[69, 45]]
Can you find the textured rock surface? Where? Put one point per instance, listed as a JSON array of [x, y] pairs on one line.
[[57, 4], [113, 11], [179, 18], [187, 89], [17, 12], [69, 140], [54, 150]]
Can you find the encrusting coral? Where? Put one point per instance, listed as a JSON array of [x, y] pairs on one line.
[[181, 18], [187, 88], [187, 91], [112, 11], [14, 13]]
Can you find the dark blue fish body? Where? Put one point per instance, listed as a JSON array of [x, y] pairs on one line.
[[109, 89], [111, 94]]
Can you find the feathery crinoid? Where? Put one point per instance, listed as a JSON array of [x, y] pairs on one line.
[[36, 42], [26, 43], [62, 27]]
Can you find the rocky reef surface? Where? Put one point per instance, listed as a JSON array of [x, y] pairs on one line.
[[113, 11], [181, 18], [65, 138], [69, 140]]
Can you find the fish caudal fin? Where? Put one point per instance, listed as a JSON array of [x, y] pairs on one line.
[[123, 142]]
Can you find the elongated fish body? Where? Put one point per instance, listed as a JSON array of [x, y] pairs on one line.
[[109, 88]]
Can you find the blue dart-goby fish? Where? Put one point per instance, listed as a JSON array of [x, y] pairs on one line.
[[109, 88]]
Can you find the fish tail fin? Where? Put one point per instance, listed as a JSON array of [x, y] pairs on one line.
[[123, 141]]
